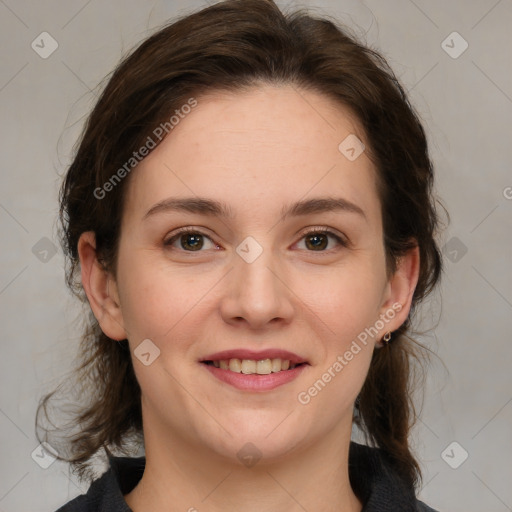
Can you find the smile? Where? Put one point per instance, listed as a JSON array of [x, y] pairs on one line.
[[245, 374], [252, 366]]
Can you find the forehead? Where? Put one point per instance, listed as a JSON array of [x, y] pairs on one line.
[[267, 144]]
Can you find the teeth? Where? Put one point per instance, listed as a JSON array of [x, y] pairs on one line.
[[251, 366], [276, 365], [264, 367], [235, 365]]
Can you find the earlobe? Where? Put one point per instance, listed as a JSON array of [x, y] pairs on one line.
[[400, 290], [100, 288]]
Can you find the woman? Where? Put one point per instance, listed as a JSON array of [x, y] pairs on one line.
[[250, 212]]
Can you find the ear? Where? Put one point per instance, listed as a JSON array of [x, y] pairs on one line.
[[399, 291], [100, 288]]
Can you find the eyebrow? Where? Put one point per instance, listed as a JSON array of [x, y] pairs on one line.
[[210, 207]]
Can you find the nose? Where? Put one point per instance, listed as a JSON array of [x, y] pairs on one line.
[[257, 293]]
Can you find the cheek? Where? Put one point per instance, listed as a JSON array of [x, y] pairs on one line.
[[159, 302], [333, 389], [346, 300]]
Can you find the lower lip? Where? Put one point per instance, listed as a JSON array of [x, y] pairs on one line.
[[255, 382]]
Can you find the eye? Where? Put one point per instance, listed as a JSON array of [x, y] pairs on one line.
[[318, 239], [190, 240]]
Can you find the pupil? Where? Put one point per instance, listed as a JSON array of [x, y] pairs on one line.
[[317, 243], [196, 241]]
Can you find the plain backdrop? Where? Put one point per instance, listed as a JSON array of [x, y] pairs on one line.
[[464, 97]]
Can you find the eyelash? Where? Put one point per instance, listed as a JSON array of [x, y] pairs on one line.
[[320, 230]]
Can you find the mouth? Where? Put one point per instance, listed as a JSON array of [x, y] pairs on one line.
[[254, 366], [255, 371]]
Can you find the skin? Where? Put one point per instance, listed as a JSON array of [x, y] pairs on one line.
[[241, 148]]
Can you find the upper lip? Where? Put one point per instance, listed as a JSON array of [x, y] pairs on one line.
[[271, 353]]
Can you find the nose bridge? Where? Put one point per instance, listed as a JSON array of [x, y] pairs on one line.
[[257, 290]]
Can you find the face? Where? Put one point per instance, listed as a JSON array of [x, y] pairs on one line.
[[293, 262]]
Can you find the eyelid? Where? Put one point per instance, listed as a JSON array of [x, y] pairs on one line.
[[340, 238], [188, 229]]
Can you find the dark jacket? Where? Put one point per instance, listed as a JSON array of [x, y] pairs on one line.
[[373, 480]]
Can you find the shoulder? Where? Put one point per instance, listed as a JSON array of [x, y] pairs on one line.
[[106, 494], [91, 501], [425, 508], [378, 485]]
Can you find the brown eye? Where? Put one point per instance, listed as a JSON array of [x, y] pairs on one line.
[[318, 240], [189, 240], [194, 242]]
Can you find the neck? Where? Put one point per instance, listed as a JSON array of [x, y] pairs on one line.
[[185, 477]]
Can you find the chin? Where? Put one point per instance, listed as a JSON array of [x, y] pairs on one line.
[[265, 441]]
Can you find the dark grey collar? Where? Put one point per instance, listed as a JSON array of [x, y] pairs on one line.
[[373, 479]]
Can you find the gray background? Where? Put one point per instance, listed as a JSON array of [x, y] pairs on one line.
[[466, 105]]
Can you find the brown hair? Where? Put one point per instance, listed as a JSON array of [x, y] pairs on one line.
[[229, 46]]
